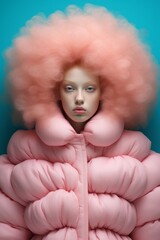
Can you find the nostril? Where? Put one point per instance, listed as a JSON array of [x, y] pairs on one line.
[[79, 101]]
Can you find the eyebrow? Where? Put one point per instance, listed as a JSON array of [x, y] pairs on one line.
[[71, 82], [68, 81]]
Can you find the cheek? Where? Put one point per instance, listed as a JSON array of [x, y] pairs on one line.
[[66, 101], [94, 103], [95, 99]]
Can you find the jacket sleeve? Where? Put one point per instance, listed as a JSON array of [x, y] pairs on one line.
[[147, 206], [12, 225], [12, 207], [22, 147], [136, 145], [132, 143]]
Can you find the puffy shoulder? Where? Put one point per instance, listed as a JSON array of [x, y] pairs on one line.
[[26, 144], [19, 146], [132, 143]]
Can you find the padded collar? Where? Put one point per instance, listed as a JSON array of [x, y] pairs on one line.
[[101, 130]]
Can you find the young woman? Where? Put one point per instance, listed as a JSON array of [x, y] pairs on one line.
[[79, 81]]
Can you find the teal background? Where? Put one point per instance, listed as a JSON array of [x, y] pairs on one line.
[[143, 14]]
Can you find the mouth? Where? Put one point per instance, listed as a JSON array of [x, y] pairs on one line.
[[79, 110]]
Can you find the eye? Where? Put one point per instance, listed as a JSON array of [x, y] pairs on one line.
[[69, 88], [90, 89]]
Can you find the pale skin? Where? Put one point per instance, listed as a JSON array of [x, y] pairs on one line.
[[79, 95]]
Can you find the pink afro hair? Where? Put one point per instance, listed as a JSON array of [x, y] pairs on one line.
[[93, 37]]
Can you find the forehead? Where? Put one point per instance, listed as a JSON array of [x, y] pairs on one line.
[[79, 75]]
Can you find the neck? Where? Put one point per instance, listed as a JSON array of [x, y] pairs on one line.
[[78, 126]]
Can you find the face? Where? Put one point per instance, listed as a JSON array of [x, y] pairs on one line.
[[79, 94]]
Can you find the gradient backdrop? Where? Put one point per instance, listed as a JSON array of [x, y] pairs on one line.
[[143, 14]]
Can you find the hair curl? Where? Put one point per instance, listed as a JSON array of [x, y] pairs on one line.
[[108, 46]]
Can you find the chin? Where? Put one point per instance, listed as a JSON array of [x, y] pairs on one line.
[[80, 120]]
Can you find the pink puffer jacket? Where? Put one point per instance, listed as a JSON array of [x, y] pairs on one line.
[[102, 184]]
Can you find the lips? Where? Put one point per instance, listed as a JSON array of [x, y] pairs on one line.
[[79, 110]]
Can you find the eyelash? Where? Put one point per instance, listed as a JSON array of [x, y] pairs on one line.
[[70, 88], [91, 89]]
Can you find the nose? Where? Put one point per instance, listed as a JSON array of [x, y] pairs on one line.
[[79, 100]]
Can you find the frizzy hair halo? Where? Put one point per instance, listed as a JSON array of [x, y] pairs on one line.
[[108, 46]]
